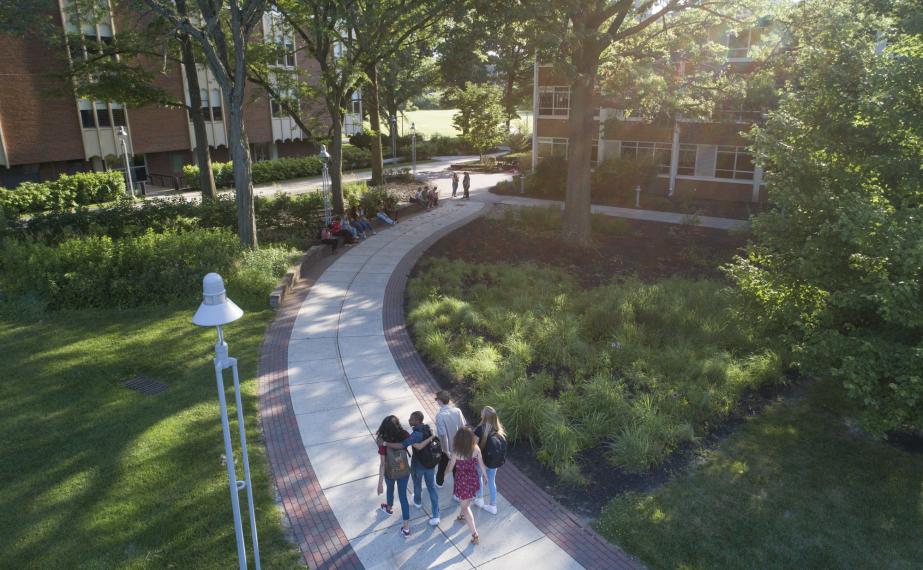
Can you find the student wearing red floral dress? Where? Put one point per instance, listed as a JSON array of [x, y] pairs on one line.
[[469, 472]]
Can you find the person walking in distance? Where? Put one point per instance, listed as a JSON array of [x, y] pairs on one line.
[[427, 453], [449, 420], [454, 184], [468, 468], [466, 184], [492, 443]]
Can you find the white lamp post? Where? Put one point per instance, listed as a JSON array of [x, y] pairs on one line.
[[324, 157], [217, 310], [413, 146], [123, 137]]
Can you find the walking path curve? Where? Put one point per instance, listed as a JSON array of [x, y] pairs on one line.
[[335, 362]]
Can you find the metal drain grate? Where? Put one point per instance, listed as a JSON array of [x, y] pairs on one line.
[[145, 385]]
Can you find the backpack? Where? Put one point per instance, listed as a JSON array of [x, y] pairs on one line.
[[430, 455], [396, 464], [495, 451]]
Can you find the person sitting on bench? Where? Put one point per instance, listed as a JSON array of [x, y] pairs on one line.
[[328, 237]]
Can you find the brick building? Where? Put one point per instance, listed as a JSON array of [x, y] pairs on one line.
[[44, 132], [695, 158]]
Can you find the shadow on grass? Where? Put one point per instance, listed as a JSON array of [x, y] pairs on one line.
[[99, 475]]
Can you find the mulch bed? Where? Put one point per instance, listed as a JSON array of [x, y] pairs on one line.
[[650, 251], [702, 207]]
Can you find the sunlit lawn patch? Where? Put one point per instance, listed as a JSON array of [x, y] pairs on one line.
[[96, 475], [793, 488]]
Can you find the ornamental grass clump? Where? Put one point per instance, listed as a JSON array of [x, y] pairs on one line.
[[635, 369]]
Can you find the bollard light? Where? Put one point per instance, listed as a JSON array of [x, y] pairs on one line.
[[216, 311]]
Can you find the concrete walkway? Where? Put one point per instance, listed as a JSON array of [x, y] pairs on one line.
[[343, 380]]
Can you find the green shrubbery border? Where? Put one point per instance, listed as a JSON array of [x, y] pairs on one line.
[[65, 193], [277, 169]]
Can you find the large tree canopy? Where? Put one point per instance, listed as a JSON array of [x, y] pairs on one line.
[[837, 265]]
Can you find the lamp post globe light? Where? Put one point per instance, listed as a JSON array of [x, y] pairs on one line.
[[216, 311], [324, 157], [123, 138], [413, 147]]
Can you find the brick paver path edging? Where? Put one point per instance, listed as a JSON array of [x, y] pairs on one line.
[[312, 522], [582, 543]]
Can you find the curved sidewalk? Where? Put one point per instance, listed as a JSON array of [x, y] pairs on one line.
[[333, 366]]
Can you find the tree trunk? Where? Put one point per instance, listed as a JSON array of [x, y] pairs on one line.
[[577, 222], [336, 162], [370, 96], [202, 155], [243, 182], [508, 98]]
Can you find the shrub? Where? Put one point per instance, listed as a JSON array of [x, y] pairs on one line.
[[65, 193], [549, 179], [363, 139], [376, 200], [258, 271], [98, 271], [618, 177], [354, 157], [278, 169]]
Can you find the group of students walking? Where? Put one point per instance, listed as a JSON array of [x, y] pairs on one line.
[[472, 456]]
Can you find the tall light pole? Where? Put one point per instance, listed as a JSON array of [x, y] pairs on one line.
[[217, 310], [123, 137], [393, 122], [324, 157], [413, 147]]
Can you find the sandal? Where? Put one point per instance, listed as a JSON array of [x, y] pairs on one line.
[[475, 539], [460, 518]]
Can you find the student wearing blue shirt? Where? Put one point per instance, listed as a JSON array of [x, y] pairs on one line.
[[419, 438]]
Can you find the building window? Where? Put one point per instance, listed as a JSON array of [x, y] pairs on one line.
[[659, 153], [118, 115], [548, 147], [734, 162], [102, 115], [355, 105], [554, 101], [215, 100], [686, 165], [739, 45], [206, 109], [594, 153], [87, 119]]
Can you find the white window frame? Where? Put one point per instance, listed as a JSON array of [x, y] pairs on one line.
[[554, 142], [556, 111], [736, 173], [733, 53], [649, 148]]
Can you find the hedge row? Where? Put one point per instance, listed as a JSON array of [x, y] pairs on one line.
[[288, 219], [277, 169], [65, 193], [97, 271]]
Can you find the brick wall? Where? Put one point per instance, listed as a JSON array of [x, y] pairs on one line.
[[37, 126]]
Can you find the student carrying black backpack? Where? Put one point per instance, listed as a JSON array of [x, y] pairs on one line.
[[430, 455], [492, 441]]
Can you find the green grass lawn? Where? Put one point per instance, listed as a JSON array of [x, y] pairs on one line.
[[794, 488], [99, 476], [439, 122]]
